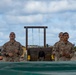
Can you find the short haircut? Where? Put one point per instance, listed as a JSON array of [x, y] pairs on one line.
[[65, 33], [12, 33], [60, 33]]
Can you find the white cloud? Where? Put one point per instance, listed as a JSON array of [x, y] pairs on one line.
[[63, 5], [35, 7], [24, 19]]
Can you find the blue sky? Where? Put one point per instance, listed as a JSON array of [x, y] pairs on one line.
[[58, 15]]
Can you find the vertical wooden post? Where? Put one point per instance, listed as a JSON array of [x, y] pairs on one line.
[[44, 37], [26, 38]]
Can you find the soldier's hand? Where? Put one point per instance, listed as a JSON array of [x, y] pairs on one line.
[[16, 51], [62, 53], [1, 57], [67, 55], [10, 54]]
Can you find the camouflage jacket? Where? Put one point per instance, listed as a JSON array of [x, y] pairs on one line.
[[10, 47], [60, 48]]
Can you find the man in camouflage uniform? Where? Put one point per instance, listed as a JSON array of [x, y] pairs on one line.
[[12, 50], [64, 50], [55, 54]]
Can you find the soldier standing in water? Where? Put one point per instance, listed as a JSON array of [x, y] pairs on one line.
[[64, 49], [12, 50]]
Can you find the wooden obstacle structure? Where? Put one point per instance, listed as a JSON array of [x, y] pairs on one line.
[[33, 53]]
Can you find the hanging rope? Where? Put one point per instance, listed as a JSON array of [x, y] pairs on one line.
[[39, 36], [32, 37]]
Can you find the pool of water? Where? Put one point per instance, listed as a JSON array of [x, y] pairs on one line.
[[38, 68]]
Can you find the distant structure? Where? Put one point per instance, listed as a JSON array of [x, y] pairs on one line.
[[35, 27]]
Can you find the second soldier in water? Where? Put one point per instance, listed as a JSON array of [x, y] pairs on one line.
[[64, 50]]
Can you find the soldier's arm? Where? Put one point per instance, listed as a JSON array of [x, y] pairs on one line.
[[4, 52], [55, 48], [20, 50], [72, 51], [55, 51]]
